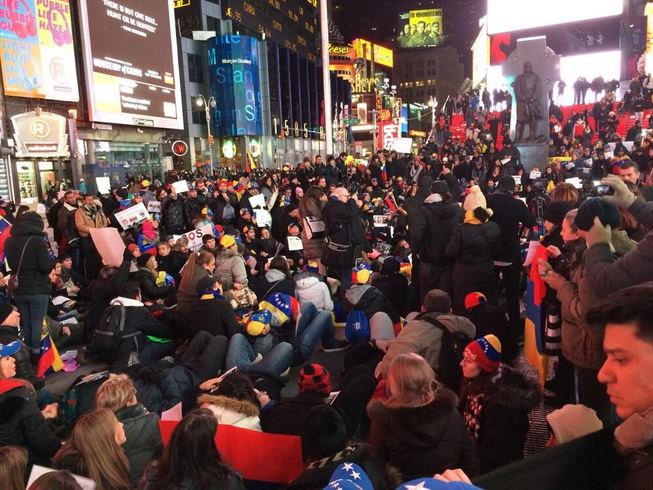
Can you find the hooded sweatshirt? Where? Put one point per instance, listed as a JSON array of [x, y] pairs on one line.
[[310, 289]]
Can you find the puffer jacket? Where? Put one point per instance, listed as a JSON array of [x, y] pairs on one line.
[[143, 438], [232, 262], [230, 411], [425, 339], [33, 277], [172, 215], [21, 423], [310, 289], [422, 441]]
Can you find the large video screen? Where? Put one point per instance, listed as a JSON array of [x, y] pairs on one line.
[[38, 56], [517, 15], [130, 55], [420, 29]]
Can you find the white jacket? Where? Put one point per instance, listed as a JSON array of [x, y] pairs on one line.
[[309, 289], [229, 411]]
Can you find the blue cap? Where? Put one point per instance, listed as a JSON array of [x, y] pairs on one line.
[[349, 476], [7, 350]]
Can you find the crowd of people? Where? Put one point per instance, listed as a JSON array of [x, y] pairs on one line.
[[409, 269]]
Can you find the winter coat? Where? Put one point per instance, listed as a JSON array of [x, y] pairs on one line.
[[604, 273], [274, 281], [139, 321], [143, 438], [310, 289], [311, 209], [343, 223], [24, 368], [423, 338], [510, 214], [87, 218], [173, 217], [230, 411], [287, 417], [149, 289], [472, 246], [495, 408], [151, 482], [317, 474], [101, 293], [33, 276], [187, 294], [215, 315], [432, 233], [172, 263], [232, 262], [192, 209], [218, 205], [21, 423], [394, 287], [66, 223], [422, 441], [370, 300]]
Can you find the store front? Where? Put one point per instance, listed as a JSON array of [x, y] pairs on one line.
[[42, 159]]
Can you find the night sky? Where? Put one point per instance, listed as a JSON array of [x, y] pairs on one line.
[[375, 20]]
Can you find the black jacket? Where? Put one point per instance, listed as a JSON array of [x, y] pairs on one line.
[[33, 277], [343, 223], [192, 210], [394, 287], [143, 438], [287, 417], [24, 369], [172, 216], [215, 315], [510, 214], [149, 288], [21, 423], [101, 293], [172, 263], [422, 441], [432, 234]]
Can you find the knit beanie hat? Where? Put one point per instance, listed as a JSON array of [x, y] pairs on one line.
[[439, 187], [486, 351], [390, 266], [573, 421], [475, 199], [314, 377], [595, 206], [143, 260], [361, 274], [507, 183], [472, 300], [5, 310], [556, 211]]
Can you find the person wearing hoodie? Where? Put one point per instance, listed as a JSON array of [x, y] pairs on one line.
[[430, 236], [140, 324], [310, 288], [417, 427], [9, 323], [27, 256], [21, 422], [495, 401], [230, 261], [420, 336], [275, 280]]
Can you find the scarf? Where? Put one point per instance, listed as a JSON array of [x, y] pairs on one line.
[[636, 432], [470, 219]]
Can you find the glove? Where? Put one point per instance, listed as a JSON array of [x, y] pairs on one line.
[[622, 197]]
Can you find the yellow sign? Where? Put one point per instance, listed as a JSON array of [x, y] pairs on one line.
[[180, 3], [417, 134], [382, 56], [339, 49]]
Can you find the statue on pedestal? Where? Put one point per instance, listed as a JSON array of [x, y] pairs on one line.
[[529, 111]]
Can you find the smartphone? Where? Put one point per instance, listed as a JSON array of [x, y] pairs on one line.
[[604, 190]]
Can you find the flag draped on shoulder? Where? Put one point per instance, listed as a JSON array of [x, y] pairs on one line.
[[50, 358]]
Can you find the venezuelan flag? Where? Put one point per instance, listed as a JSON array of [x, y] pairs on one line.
[[5, 230], [391, 202], [251, 164], [534, 325], [50, 358]]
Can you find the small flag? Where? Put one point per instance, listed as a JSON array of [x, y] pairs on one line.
[[251, 164], [50, 358], [5, 230], [391, 203]]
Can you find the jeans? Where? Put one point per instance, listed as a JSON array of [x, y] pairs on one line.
[[205, 355], [33, 308], [153, 351], [313, 326], [435, 277], [241, 354], [356, 389]]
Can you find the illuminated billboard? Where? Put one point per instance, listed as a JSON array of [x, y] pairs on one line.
[[382, 56], [131, 65], [481, 56], [38, 56], [517, 15], [420, 29]]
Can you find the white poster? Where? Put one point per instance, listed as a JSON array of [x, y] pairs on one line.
[[257, 201], [132, 216], [263, 218], [103, 185], [381, 220], [535, 174], [154, 206], [295, 243], [180, 186], [402, 145], [195, 237]]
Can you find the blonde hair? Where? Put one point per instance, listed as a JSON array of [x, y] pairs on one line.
[[115, 393], [13, 461], [411, 381], [96, 452]]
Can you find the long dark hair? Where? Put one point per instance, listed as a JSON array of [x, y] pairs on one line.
[[192, 455]]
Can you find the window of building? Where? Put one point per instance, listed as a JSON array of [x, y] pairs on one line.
[[199, 116], [195, 68], [213, 24]]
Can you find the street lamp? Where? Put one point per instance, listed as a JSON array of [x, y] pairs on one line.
[[209, 104]]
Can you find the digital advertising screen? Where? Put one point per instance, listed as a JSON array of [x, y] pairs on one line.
[[517, 15], [38, 56], [290, 23], [420, 29], [131, 64]]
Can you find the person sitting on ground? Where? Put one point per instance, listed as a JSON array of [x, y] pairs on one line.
[[213, 312], [146, 277], [94, 450], [417, 427], [143, 444], [275, 280], [191, 459], [229, 260], [235, 402], [393, 284], [310, 288]]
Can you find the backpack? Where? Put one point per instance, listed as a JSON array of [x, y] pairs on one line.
[[357, 327], [452, 348], [228, 212], [108, 333]]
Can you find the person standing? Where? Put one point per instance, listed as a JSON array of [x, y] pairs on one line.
[[89, 215], [28, 257]]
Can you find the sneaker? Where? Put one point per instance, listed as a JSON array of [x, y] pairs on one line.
[[168, 359], [336, 346], [258, 358], [133, 360], [285, 374]]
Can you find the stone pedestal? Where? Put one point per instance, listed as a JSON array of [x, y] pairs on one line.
[[535, 154]]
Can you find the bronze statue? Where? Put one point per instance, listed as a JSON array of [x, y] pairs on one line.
[[529, 111]]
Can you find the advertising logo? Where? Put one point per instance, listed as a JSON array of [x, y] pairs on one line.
[[36, 48], [234, 77]]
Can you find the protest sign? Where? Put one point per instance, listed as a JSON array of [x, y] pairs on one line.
[[109, 245], [295, 243], [103, 185], [381, 220], [257, 201], [195, 237], [132, 216], [180, 186], [154, 206], [263, 218]]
